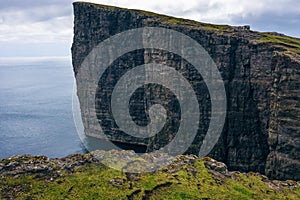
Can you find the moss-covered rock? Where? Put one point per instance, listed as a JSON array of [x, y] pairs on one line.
[[261, 78], [84, 177]]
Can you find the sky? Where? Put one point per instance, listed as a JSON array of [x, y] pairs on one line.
[[43, 28]]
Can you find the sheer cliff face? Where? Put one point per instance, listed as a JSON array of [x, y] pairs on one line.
[[262, 82]]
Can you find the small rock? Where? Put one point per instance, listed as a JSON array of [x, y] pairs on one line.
[[117, 181], [215, 165], [59, 174]]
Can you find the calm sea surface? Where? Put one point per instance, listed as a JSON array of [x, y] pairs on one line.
[[36, 108]]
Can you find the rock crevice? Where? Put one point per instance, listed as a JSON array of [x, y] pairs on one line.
[[262, 129]]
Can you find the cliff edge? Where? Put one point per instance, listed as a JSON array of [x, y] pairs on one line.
[[261, 74], [84, 177]]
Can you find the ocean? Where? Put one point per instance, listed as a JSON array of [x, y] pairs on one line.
[[36, 107]]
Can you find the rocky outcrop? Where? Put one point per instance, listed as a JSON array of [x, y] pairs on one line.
[[260, 73], [39, 177]]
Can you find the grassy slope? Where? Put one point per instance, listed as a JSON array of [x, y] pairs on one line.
[[289, 43], [95, 182]]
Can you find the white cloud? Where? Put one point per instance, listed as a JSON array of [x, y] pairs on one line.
[[214, 11], [38, 24], [50, 21], [52, 30]]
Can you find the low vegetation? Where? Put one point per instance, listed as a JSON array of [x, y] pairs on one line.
[[289, 43], [191, 180]]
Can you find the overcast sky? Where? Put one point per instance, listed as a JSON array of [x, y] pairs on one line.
[[44, 27]]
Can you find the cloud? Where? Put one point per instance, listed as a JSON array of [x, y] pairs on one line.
[[50, 21], [52, 30], [214, 10], [286, 23], [27, 4], [46, 22], [263, 15]]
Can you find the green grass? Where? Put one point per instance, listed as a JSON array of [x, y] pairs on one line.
[[98, 5], [185, 22], [195, 24], [289, 43], [168, 19], [93, 182]]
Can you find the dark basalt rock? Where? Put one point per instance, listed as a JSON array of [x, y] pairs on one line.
[[262, 129]]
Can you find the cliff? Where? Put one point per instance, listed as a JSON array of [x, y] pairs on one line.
[[84, 177], [261, 78]]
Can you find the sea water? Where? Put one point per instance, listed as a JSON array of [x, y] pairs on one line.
[[36, 107]]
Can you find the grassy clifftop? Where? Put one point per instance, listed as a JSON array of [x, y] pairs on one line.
[[288, 43], [82, 177]]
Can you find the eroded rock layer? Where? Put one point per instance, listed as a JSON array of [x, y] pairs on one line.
[[261, 78]]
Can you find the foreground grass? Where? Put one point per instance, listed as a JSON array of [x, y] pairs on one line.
[[95, 181]]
